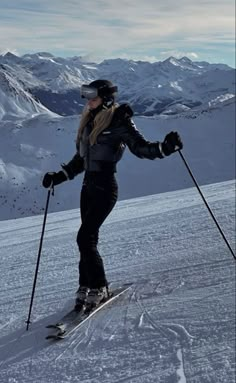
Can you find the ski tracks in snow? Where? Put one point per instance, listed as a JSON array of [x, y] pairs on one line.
[[121, 324], [176, 334]]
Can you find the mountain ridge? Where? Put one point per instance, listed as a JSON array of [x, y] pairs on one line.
[[33, 146], [56, 81], [36, 138]]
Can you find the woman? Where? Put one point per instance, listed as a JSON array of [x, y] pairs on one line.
[[105, 130]]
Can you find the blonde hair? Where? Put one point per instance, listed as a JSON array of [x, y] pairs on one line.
[[101, 121]]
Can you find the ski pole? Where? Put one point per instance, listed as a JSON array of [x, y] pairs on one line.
[[39, 255], [204, 200]]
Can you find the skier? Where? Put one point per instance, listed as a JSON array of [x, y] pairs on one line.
[[106, 128]]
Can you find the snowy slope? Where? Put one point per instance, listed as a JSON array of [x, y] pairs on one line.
[[175, 325], [31, 147]]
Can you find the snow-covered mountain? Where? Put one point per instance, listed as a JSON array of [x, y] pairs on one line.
[[151, 88], [175, 324], [30, 147], [15, 100], [34, 139]]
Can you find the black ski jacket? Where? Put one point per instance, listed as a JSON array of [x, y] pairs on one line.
[[110, 145]]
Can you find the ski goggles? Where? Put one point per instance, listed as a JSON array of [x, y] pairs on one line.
[[90, 92]]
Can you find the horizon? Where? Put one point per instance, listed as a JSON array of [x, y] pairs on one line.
[[141, 32], [85, 58]]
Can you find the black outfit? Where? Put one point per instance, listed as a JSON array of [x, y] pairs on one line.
[[98, 197], [99, 190], [111, 142]]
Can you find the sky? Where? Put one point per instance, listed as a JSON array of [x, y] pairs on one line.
[[147, 30]]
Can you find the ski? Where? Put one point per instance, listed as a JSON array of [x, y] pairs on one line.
[[68, 318], [74, 319]]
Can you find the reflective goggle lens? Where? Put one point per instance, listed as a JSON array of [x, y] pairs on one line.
[[88, 92]]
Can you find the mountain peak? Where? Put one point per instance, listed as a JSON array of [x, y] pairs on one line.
[[170, 59], [56, 81], [38, 55], [185, 59], [9, 55], [44, 54]]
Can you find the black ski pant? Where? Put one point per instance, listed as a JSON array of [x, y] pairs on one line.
[[98, 197]]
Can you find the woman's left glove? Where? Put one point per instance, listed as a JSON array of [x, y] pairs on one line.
[[53, 178], [172, 143]]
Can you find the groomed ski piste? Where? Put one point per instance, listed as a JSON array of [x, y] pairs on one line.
[[176, 323]]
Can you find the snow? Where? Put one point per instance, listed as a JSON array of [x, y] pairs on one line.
[[174, 84], [221, 98], [39, 144], [15, 101], [172, 80], [176, 323], [180, 371]]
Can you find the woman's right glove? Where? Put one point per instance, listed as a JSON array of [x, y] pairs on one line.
[[53, 178], [172, 143]]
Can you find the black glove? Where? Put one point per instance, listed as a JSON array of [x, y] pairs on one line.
[[172, 143], [53, 178]]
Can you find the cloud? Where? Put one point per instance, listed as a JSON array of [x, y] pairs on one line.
[[179, 54], [139, 28]]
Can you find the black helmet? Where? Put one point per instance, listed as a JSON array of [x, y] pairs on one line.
[[102, 88]]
